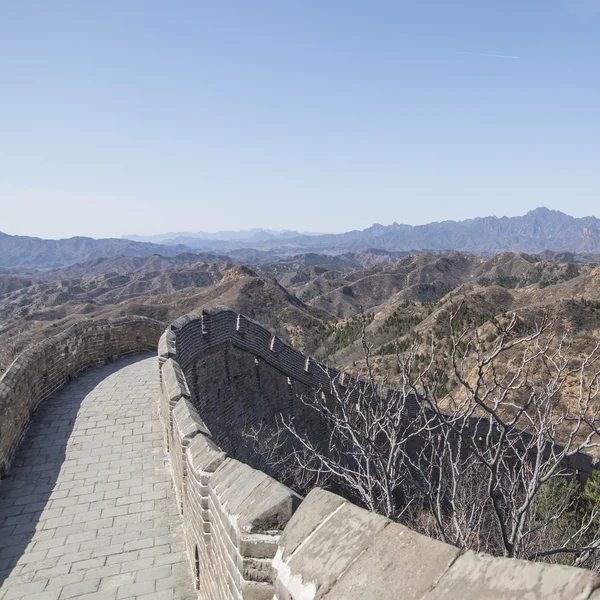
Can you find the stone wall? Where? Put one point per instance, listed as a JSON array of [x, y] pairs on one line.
[[249, 536], [42, 369], [233, 514]]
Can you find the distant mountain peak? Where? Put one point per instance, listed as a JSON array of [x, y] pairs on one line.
[[542, 211], [539, 230]]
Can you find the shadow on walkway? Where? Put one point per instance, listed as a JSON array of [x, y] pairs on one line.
[[33, 476]]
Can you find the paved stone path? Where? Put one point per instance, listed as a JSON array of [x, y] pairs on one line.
[[88, 509]]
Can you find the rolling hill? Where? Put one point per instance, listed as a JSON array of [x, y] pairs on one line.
[[35, 253], [312, 300]]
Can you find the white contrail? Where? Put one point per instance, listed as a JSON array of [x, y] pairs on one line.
[[488, 55]]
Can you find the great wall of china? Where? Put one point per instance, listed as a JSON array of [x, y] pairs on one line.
[[247, 535]]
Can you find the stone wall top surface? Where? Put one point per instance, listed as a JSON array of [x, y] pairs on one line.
[[45, 367]]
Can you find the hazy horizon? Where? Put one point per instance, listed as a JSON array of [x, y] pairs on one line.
[[213, 233]]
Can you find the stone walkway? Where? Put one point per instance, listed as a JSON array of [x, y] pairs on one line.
[[88, 509]]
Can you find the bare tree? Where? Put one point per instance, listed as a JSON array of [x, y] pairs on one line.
[[478, 449], [517, 415], [272, 451]]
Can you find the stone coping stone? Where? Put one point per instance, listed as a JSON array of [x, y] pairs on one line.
[[398, 563], [174, 381], [316, 507], [258, 545], [269, 507], [188, 420], [476, 576], [204, 456], [166, 344], [259, 502], [233, 482], [252, 590], [332, 547]]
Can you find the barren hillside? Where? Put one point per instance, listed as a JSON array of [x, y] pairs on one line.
[[311, 300]]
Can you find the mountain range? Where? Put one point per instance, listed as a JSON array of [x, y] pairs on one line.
[[538, 231], [17, 251], [255, 235]]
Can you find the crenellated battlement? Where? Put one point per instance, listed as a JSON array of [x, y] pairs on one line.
[[196, 333]]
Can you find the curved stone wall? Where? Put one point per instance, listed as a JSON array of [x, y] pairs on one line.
[[233, 514], [42, 369], [248, 536]]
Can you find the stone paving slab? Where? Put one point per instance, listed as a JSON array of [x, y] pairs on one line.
[[88, 509]]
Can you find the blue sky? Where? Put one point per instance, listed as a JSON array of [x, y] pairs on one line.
[[142, 117]]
